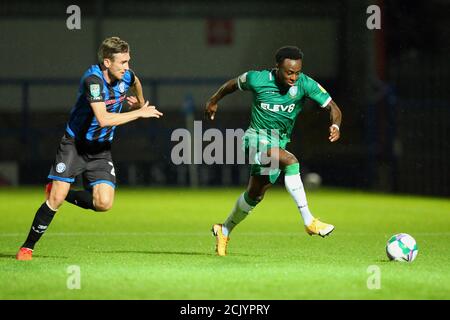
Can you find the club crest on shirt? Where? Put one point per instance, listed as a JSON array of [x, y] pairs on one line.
[[95, 90], [60, 167], [122, 87], [293, 91]]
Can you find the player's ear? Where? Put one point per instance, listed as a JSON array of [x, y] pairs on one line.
[[278, 66], [107, 62]]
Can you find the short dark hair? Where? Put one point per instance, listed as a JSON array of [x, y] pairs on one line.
[[110, 46], [288, 52]]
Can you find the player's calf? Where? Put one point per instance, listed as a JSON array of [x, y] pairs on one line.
[[87, 200], [82, 199], [41, 222], [48, 189], [57, 194]]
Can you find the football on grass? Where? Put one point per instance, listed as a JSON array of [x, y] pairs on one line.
[[402, 247]]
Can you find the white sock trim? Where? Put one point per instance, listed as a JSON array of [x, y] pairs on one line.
[[48, 205]]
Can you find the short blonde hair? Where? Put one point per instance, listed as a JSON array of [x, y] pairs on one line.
[[110, 46]]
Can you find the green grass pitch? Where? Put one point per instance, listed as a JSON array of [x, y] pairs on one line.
[[156, 244]]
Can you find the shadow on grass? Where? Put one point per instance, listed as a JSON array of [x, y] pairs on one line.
[[160, 252], [13, 256], [7, 256], [384, 261], [185, 253]]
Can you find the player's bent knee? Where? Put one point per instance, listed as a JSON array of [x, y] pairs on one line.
[[58, 194], [103, 197], [257, 197], [102, 207], [289, 160], [56, 200], [103, 204]]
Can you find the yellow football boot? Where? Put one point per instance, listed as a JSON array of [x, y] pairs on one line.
[[221, 240], [320, 228]]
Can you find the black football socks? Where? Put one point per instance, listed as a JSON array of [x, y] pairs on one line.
[[81, 199], [41, 221]]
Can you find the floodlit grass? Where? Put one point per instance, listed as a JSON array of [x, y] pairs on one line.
[[156, 244]]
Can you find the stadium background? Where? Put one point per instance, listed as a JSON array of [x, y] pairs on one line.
[[391, 85]]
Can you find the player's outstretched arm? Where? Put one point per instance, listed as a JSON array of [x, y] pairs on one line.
[[211, 105], [136, 101], [109, 119], [336, 118]]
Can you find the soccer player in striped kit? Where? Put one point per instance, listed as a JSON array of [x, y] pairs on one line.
[[85, 148]]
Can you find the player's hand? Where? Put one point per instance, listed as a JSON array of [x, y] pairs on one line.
[[133, 102], [335, 134], [149, 111], [210, 110]]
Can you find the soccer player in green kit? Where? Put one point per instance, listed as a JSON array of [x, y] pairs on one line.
[[278, 97]]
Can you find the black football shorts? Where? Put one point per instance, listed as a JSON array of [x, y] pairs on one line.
[[93, 161]]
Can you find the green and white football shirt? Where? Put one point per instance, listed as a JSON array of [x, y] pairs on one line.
[[273, 109]]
